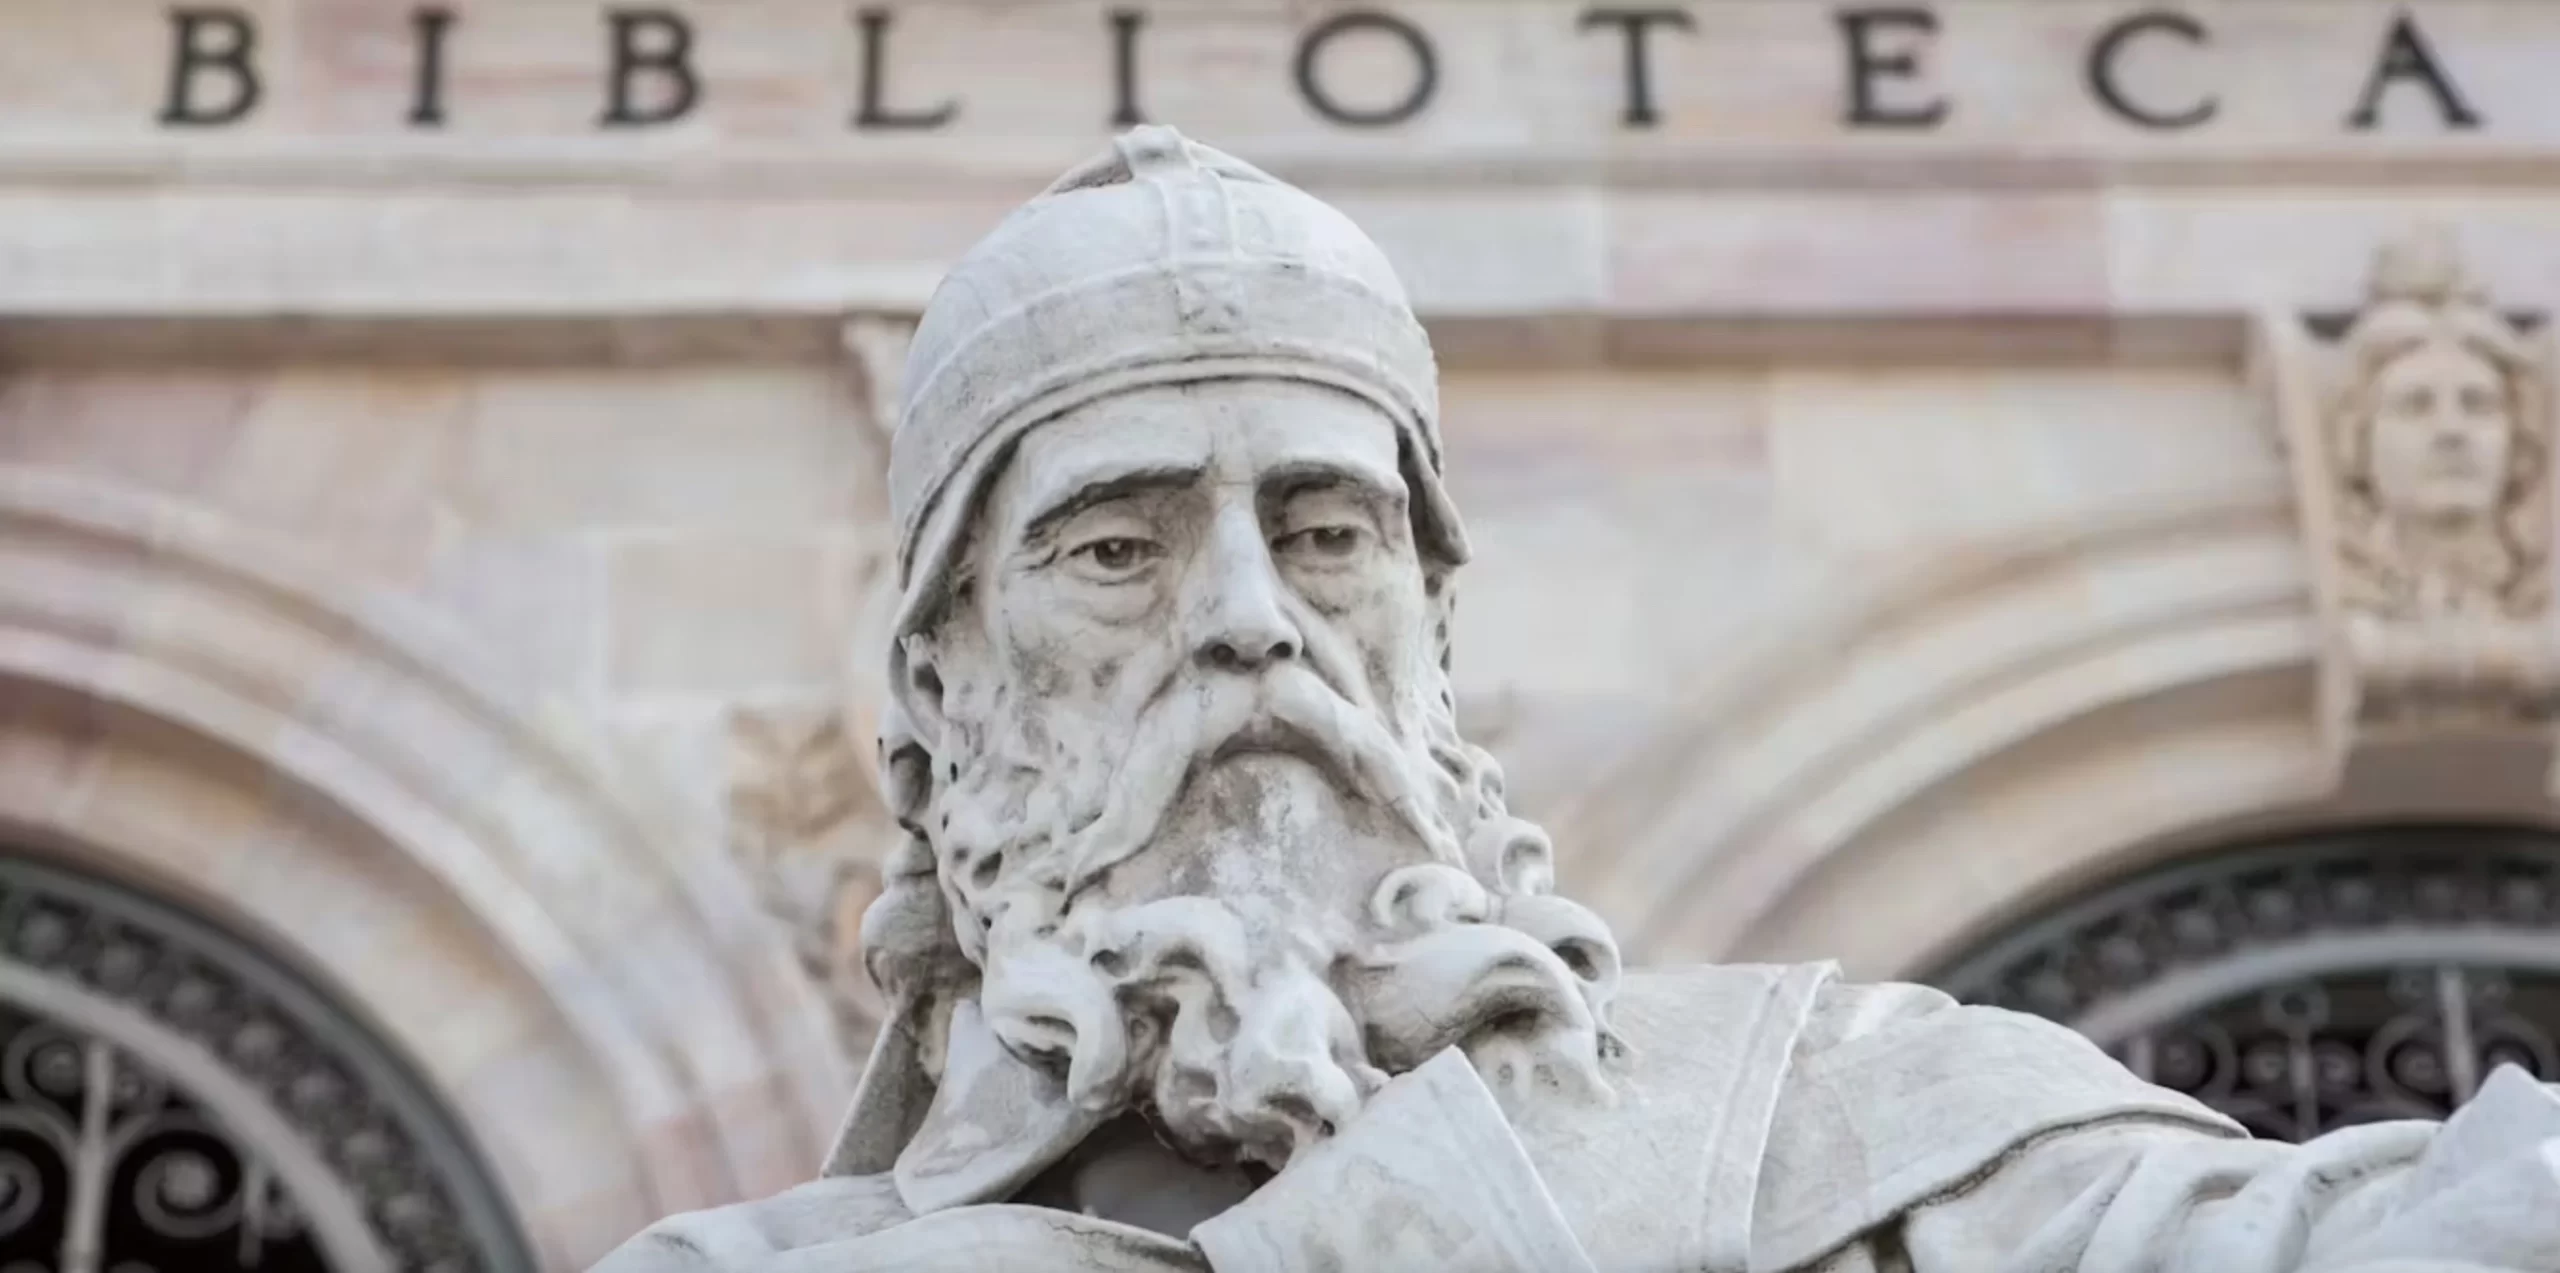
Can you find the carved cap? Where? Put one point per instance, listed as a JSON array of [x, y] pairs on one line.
[[1160, 262]]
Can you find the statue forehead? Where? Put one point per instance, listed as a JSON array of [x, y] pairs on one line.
[[1251, 431], [2440, 358]]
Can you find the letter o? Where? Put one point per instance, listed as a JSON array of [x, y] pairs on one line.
[[1426, 68]]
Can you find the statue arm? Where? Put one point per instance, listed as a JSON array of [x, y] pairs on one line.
[[1926, 1136], [2481, 1192]]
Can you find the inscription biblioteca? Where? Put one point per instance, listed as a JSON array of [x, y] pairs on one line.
[[648, 67]]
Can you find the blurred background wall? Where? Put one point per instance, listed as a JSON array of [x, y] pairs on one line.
[[1921, 458]]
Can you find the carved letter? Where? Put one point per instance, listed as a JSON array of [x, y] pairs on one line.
[[667, 50], [1636, 23], [1426, 69], [1124, 68], [876, 112], [2102, 69], [426, 103], [2405, 56], [214, 40], [1866, 66]]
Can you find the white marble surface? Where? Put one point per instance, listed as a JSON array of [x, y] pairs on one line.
[[1194, 839], [1872, 533]]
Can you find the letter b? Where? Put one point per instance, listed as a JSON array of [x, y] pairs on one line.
[[650, 40], [215, 43]]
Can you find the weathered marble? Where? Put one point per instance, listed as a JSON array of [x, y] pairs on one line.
[[1877, 531], [1214, 945]]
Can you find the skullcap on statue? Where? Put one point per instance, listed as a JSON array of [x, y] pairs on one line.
[[1162, 261]]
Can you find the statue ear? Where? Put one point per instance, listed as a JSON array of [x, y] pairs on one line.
[[916, 692]]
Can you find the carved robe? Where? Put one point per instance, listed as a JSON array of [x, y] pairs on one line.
[[1767, 1120]]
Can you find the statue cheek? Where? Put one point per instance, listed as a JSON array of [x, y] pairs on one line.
[[1073, 621]]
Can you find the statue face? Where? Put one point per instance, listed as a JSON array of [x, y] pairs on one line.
[[1239, 526], [2442, 435], [1241, 548], [1201, 807]]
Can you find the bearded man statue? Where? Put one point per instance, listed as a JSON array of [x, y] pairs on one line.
[[1213, 946]]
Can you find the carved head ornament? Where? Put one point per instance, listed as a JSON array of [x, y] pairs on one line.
[[2437, 430]]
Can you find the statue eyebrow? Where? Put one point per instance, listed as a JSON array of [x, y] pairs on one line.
[[1299, 477], [1118, 486]]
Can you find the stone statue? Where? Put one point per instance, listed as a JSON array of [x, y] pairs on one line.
[[2435, 458], [1213, 945], [2441, 447]]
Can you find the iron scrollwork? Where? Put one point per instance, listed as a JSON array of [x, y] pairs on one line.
[[108, 1165], [2313, 985]]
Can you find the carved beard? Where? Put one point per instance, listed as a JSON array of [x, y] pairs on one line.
[[1241, 916]]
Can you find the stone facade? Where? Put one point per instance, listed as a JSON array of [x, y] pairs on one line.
[[1880, 529]]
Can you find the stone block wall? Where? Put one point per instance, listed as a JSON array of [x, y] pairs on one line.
[[680, 559]]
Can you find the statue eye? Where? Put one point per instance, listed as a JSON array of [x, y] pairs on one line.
[[1115, 556], [1330, 542]]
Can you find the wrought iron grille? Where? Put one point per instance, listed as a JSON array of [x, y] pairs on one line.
[[2308, 985], [154, 1073], [105, 1164]]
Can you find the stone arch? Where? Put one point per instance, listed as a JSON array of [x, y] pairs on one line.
[[339, 776], [1916, 761], [243, 1121]]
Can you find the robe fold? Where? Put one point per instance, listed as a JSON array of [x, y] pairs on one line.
[[1760, 1120]]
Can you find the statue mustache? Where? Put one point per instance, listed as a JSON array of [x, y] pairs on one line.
[[1193, 724]]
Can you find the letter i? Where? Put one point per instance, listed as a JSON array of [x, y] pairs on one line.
[[426, 101]]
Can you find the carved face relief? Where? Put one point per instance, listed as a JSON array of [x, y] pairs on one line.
[[2442, 435], [1201, 811]]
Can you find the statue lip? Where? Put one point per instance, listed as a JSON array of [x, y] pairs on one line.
[[1275, 738]]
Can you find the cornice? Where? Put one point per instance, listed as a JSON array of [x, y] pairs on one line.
[[890, 169]]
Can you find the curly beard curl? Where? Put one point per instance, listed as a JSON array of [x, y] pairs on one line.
[[1168, 1006]]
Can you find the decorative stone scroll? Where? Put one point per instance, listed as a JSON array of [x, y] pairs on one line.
[[806, 821], [2420, 435]]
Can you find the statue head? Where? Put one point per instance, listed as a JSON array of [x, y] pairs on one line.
[[1192, 832], [2439, 424], [2440, 439]]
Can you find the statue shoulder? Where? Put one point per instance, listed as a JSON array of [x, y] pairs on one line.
[[1902, 1043], [1688, 1007], [1806, 1017], [1898, 1093], [857, 1224], [853, 1224], [747, 1236]]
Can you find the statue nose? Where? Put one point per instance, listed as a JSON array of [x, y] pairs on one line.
[[1243, 618]]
